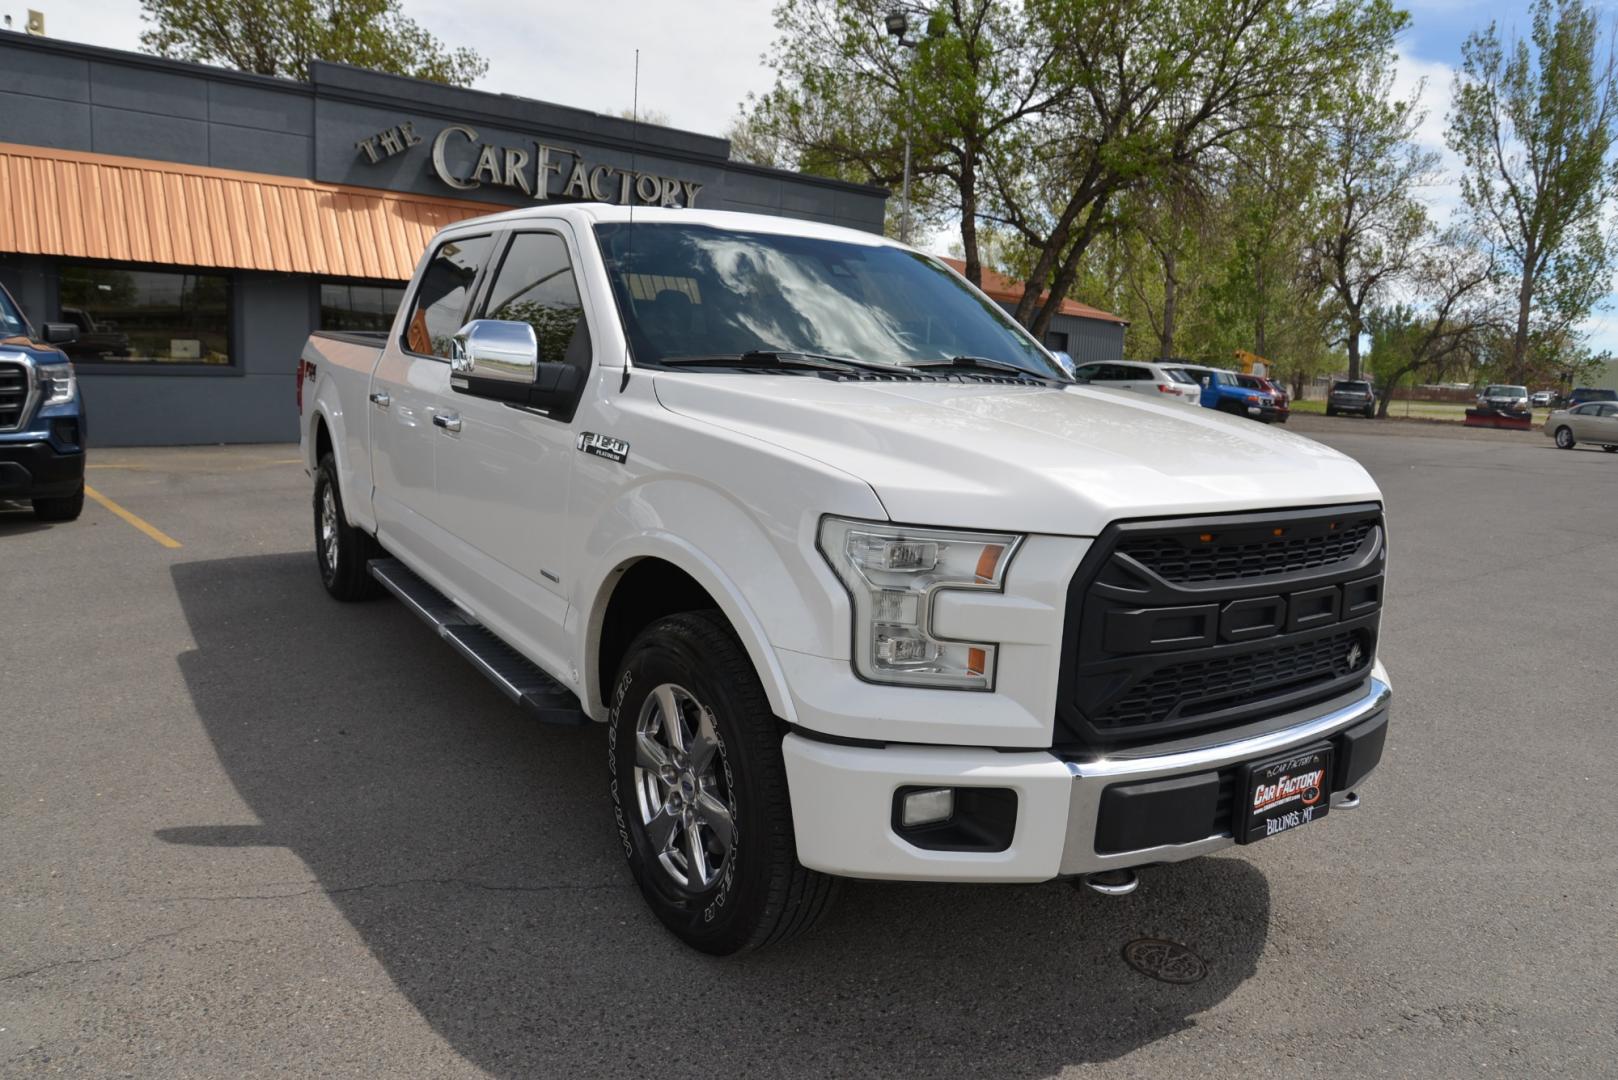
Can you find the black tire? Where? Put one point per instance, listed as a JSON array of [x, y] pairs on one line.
[[1330, 411], [66, 508], [1611, 449], [1564, 438], [756, 893], [342, 556], [1370, 413]]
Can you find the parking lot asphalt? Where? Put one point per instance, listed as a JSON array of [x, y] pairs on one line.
[[248, 831]]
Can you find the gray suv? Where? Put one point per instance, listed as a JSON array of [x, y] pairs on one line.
[[1351, 396], [1504, 399]]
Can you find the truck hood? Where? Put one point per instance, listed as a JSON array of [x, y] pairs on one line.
[[1022, 458]]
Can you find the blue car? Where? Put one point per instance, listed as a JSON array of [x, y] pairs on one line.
[[41, 416], [1223, 390]]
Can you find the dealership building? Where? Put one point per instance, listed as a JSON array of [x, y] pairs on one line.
[[196, 223]]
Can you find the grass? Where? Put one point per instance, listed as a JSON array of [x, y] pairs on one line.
[[1453, 411]]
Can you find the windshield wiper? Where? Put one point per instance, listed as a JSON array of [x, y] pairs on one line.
[[980, 363], [782, 359]]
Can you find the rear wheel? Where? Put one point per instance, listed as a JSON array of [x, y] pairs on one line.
[[699, 790], [341, 551], [1564, 438], [67, 508], [1610, 449]]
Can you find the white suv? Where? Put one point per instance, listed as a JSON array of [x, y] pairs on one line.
[[1158, 380]]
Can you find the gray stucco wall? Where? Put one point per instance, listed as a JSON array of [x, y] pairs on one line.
[[1091, 339], [76, 97], [1087, 339]]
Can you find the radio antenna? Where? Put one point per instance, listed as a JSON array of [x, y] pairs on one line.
[[632, 190]]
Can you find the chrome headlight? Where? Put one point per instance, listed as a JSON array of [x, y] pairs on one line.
[[57, 384], [892, 573]]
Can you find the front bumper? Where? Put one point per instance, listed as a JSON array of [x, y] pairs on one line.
[[36, 469], [843, 798]]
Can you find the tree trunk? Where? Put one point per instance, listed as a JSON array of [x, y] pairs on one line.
[[1171, 289], [1354, 329], [1519, 339], [969, 220]]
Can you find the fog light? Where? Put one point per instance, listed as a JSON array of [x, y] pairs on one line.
[[928, 806]]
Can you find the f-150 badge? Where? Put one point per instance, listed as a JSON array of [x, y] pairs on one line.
[[604, 446]]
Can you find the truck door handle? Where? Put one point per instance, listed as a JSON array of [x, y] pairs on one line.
[[381, 399], [448, 421]]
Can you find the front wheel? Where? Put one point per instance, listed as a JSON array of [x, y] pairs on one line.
[[1611, 449], [1370, 413], [1330, 411], [1564, 438], [699, 791], [67, 508]]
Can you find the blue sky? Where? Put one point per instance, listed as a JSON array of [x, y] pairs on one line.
[[1431, 49], [699, 61]]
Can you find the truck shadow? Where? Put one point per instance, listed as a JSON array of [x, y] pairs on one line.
[[473, 853]]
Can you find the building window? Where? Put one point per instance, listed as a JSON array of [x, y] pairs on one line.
[[358, 307], [1056, 341], [145, 316]]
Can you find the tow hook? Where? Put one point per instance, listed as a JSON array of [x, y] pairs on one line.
[[1349, 801], [1110, 882]]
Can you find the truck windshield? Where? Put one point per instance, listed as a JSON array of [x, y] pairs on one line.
[[698, 291], [11, 321]]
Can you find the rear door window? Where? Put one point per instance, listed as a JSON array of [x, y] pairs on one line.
[[439, 308]]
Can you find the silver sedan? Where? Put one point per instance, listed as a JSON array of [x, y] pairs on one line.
[[1592, 422]]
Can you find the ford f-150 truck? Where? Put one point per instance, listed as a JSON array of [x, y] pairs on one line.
[[862, 583], [42, 422]]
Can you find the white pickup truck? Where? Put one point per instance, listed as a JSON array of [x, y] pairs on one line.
[[862, 582]]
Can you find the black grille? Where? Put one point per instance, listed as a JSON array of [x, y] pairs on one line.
[[1185, 626], [13, 393], [1187, 558], [1199, 687]]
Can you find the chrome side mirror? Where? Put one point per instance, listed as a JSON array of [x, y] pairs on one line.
[[497, 350], [1067, 364]]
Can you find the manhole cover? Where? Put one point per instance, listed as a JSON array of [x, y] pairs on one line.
[[1166, 961]]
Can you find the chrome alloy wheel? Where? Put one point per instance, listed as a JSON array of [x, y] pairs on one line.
[[682, 795], [328, 527]]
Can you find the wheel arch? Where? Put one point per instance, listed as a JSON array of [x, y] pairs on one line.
[[658, 576]]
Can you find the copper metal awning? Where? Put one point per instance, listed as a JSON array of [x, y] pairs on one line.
[[98, 206]]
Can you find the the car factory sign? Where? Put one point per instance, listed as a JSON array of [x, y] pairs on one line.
[[538, 170]]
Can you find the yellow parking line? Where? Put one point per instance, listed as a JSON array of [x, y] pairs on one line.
[[144, 526]]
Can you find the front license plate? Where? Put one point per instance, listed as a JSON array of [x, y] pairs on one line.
[[1284, 793]]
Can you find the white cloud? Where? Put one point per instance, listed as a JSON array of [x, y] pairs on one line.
[[1430, 81], [697, 63]]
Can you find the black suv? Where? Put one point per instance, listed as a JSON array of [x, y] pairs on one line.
[[1351, 396]]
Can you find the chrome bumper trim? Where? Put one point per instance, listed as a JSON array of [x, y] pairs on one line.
[[1090, 778]]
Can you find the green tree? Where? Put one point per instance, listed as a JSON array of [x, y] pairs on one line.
[[846, 95], [1038, 117], [1449, 324], [1534, 128], [1155, 87], [280, 37], [1373, 227]]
